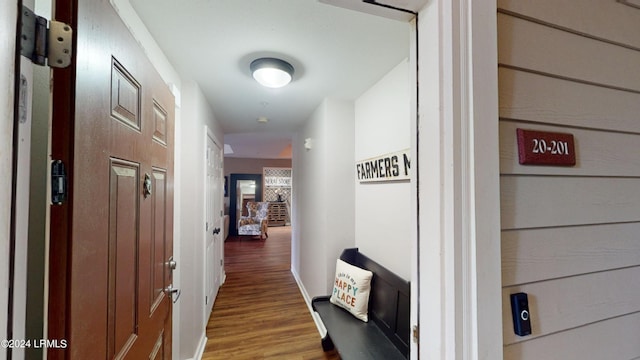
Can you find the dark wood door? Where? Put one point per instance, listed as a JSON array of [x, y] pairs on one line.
[[112, 240]]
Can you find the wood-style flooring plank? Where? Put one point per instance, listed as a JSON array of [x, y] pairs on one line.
[[259, 312]]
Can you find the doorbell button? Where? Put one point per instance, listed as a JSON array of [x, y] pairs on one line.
[[520, 314]]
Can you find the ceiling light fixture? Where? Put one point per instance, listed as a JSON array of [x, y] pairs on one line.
[[271, 72]]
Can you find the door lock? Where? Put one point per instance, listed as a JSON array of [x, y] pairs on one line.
[[147, 186]]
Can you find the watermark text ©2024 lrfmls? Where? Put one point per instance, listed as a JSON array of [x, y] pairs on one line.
[[34, 343]]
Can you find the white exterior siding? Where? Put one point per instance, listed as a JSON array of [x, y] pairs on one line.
[[570, 234]]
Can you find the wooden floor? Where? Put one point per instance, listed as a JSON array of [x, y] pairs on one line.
[[259, 312]]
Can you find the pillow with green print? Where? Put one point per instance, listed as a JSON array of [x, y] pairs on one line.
[[351, 289]]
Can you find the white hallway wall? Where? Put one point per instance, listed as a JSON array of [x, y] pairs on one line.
[[331, 210], [383, 216], [323, 194]]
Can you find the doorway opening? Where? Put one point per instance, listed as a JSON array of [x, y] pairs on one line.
[[331, 193]]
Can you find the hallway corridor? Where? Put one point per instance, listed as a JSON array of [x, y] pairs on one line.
[[259, 312]]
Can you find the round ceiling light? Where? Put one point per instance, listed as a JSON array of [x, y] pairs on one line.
[[271, 72]]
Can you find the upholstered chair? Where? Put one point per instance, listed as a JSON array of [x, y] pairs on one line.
[[256, 223]]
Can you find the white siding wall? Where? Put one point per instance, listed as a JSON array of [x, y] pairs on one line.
[[570, 235]]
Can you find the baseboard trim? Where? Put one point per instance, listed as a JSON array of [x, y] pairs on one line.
[[307, 299], [303, 290], [200, 350]]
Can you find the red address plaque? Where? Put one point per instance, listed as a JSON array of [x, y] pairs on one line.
[[545, 148]]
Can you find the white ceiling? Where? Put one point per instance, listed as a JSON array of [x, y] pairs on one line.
[[336, 53]]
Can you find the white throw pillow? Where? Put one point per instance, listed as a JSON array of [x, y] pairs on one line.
[[351, 289]]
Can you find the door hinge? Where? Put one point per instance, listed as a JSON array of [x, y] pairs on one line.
[[58, 182], [416, 334], [45, 46]]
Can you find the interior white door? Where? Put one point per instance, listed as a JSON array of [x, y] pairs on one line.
[[210, 226], [218, 204], [214, 256]]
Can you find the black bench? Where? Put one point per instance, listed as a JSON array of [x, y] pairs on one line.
[[386, 335]]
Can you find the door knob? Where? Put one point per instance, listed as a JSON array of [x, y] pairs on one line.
[[170, 290], [172, 263]]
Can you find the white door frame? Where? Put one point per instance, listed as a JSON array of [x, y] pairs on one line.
[[456, 287], [21, 207], [460, 310], [210, 224], [214, 220], [8, 15]]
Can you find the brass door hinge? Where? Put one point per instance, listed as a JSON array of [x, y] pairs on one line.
[[45, 46]]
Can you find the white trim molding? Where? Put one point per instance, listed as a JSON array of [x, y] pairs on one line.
[[460, 309], [8, 16], [202, 344], [307, 299]]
